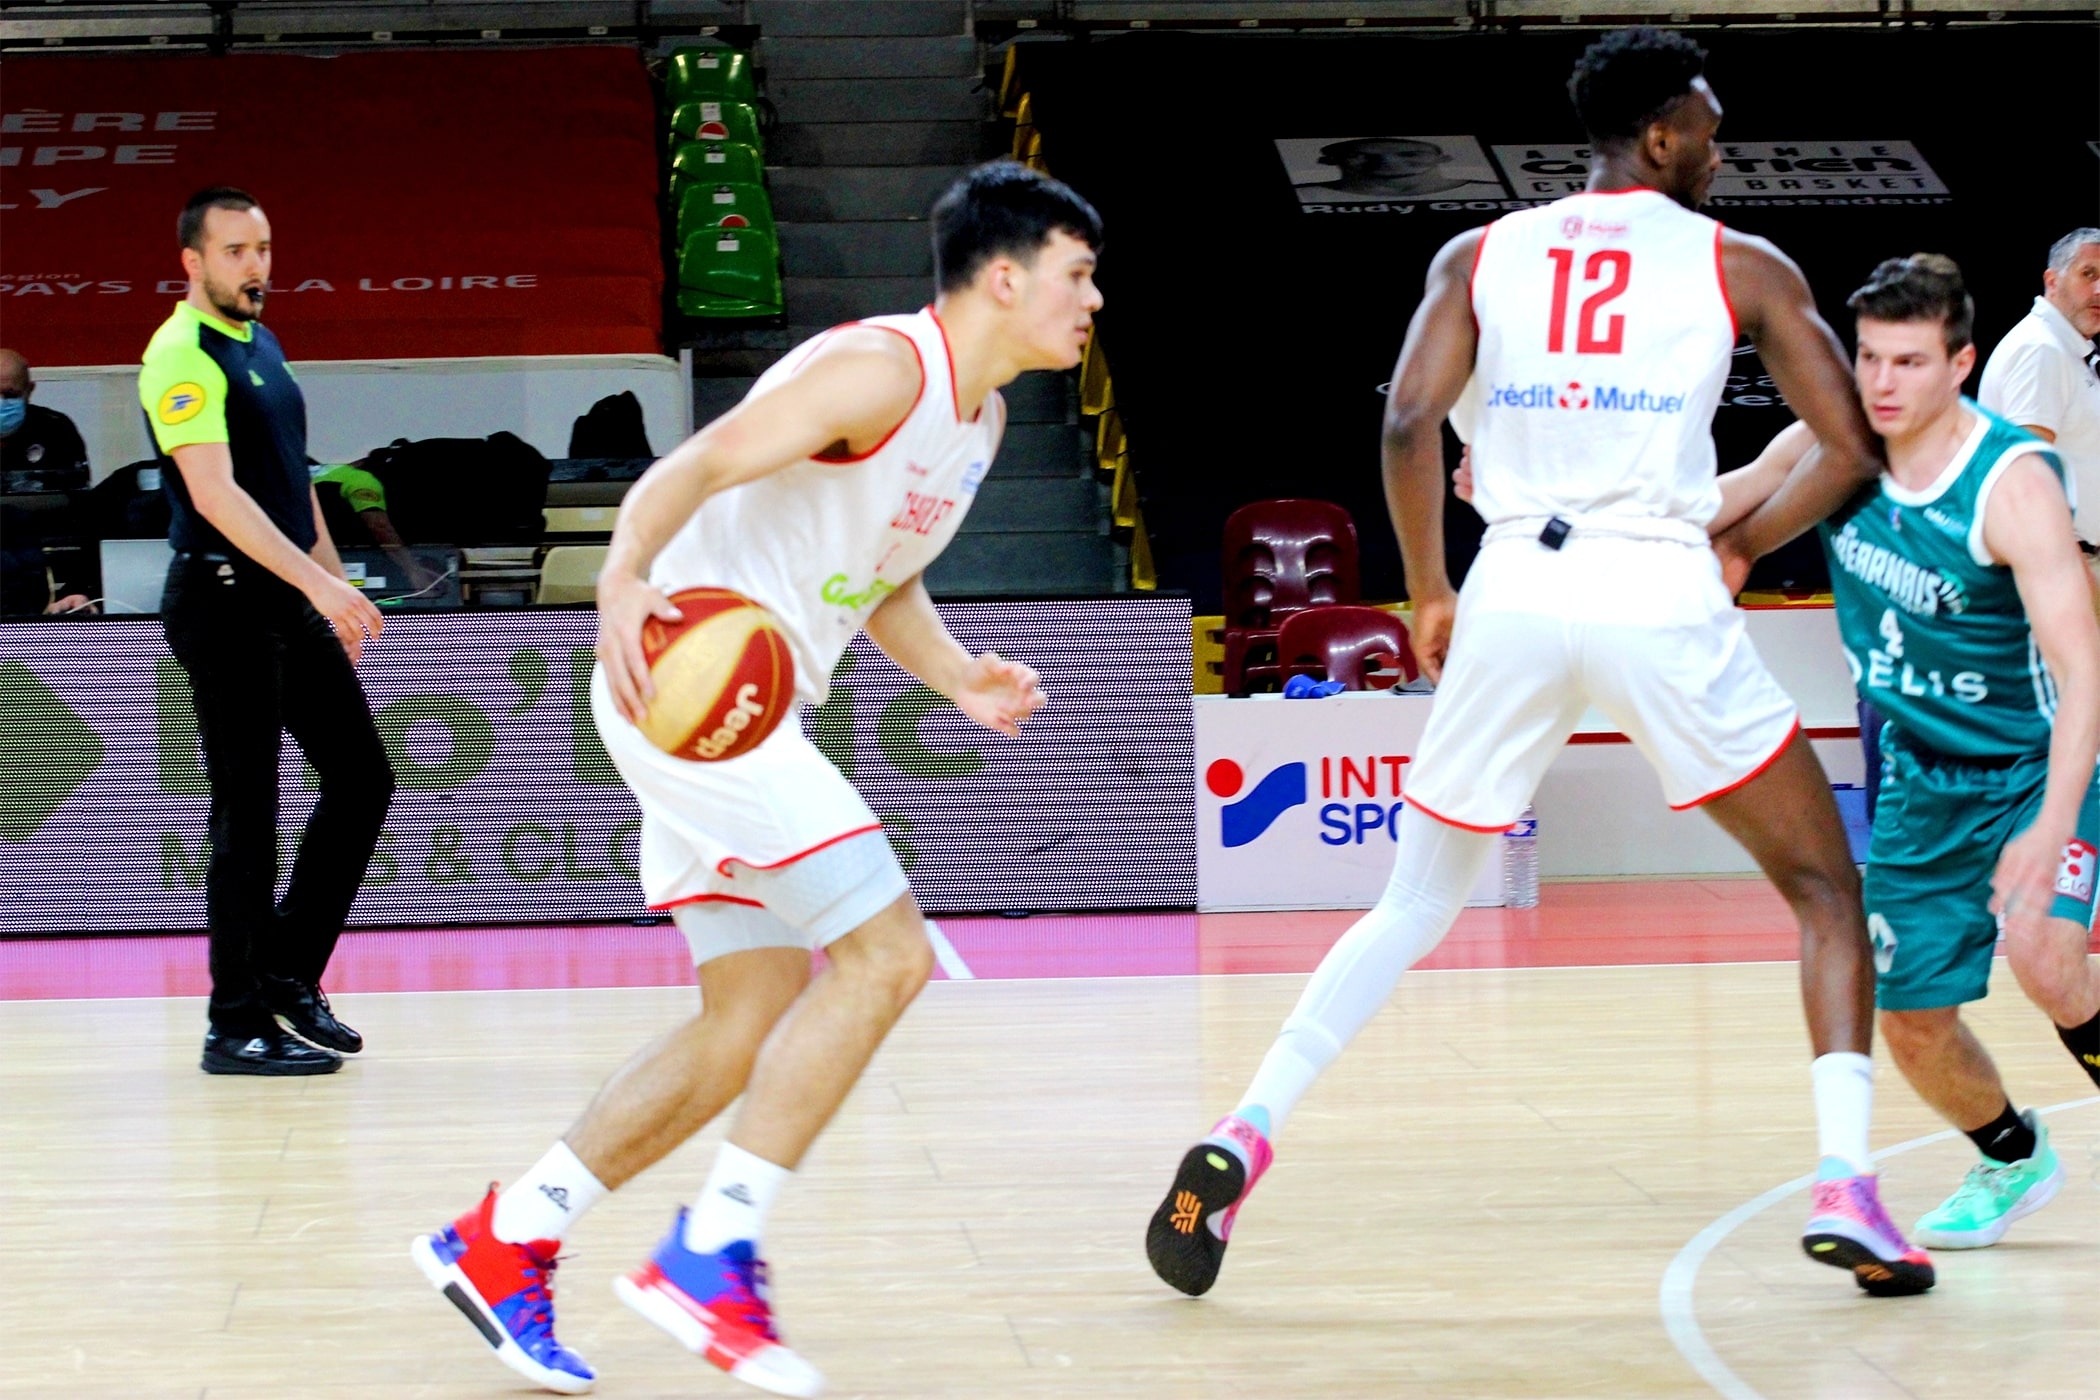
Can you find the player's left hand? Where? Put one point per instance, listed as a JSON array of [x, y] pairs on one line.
[[999, 694], [1735, 565], [2024, 884]]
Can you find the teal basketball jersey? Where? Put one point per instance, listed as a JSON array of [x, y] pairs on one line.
[[1933, 630]]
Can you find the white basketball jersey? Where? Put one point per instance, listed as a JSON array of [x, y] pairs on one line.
[[823, 542], [1605, 338]]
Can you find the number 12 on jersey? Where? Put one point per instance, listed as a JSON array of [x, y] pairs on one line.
[[1613, 267]]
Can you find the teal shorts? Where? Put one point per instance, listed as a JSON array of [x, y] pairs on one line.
[[1938, 828]]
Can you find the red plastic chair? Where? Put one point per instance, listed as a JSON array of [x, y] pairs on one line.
[[1280, 557], [1363, 648]]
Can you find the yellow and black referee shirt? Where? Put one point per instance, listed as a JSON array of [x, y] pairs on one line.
[[202, 381]]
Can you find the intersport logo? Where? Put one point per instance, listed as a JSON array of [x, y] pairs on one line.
[[1242, 822], [1578, 397]]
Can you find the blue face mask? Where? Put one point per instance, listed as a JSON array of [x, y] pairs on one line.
[[11, 414]]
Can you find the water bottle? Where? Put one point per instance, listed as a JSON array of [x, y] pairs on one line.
[[1520, 862]]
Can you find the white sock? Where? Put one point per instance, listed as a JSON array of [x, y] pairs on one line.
[[1433, 870], [546, 1201], [733, 1204], [1844, 1084]]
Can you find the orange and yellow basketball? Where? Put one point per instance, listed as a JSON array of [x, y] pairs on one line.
[[724, 676]]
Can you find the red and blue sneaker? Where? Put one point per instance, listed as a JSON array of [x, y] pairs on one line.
[[1848, 1229], [715, 1305], [1187, 1237], [507, 1292]]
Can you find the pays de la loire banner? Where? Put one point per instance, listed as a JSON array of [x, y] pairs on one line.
[[421, 204]]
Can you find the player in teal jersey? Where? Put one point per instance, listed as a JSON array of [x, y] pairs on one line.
[[1967, 620]]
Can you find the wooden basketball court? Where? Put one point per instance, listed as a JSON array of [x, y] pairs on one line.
[[1523, 1180]]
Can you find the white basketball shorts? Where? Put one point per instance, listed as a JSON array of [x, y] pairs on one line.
[[1643, 629], [770, 849]]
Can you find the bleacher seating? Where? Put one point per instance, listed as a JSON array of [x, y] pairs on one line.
[[1363, 648], [729, 272], [695, 74], [710, 162], [717, 119], [727, 205], [569, 573], [727, 245], [1280, 557]]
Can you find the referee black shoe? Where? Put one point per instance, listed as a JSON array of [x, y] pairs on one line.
[[269, 1052], [304, 1009]]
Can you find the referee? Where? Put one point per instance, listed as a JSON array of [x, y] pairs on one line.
[[259, 614], [2045, 374]]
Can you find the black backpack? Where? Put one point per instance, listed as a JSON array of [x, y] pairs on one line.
[[464, 491], [612, 428]]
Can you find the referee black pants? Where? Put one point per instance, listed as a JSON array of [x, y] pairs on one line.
[[261, 661]]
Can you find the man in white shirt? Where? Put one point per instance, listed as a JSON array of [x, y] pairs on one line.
[[2045, 374]]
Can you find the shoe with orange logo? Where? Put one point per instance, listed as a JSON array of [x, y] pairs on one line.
[[1848, 1229], [1187, 1237]]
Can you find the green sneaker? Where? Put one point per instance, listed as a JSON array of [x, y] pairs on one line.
[[1993, 1195]]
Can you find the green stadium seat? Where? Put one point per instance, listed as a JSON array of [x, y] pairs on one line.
[[714, 72], [734, 205], [711, 162], [716, 119], [729, 272]]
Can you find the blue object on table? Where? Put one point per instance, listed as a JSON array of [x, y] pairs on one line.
[[1306, 688]]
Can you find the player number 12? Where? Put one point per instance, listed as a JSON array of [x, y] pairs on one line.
[[1613, 263]]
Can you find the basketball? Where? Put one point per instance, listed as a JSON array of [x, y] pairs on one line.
[[723, 675]]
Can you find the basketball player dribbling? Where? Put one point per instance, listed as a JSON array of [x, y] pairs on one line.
[[1584, 345], [823, 496]]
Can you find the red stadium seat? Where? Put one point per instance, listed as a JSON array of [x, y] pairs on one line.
[[1363, 648], [1280, 557]]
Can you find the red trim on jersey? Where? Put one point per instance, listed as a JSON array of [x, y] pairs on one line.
[[1472, 277], [705, 899], [1721, 275], [1752, 776], [843, 461], [954, 389], [1417, 804], [722, 866]]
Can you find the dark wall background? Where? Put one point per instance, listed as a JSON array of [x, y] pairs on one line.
[[1248, 339]]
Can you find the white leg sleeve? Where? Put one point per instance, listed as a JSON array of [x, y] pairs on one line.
[[1434, 869]]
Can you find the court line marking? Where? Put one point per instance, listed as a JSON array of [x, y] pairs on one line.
[[1679, 1315], [944, 953]]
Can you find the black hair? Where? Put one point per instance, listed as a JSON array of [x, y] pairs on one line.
[[1921, 287], [1629, 78], [189, 227], [1003, 207]]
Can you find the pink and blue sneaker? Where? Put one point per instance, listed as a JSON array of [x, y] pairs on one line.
[[1188, 1234], [1849, 1229], [716, 1306], [507, 1292]]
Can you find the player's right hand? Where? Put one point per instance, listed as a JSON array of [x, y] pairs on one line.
[[348, 611], [1429, 632], [625, 602]]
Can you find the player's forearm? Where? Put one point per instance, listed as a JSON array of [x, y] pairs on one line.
[[2074, 743], [657, 506], [1814, 490], [324, 551], [1413, 450], [910, 632]]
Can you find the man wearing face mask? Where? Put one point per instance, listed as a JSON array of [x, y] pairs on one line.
[[259, 615], [40, 449]]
